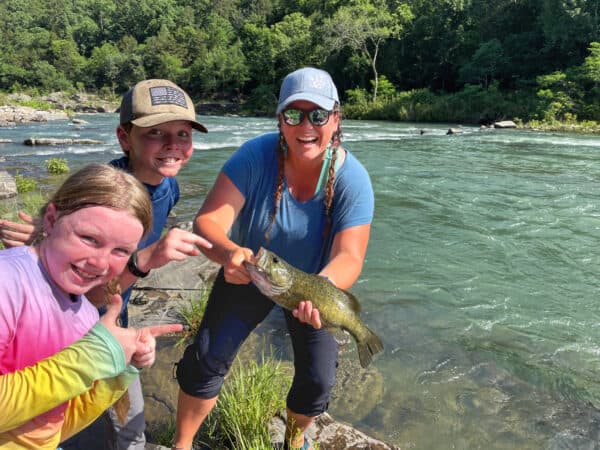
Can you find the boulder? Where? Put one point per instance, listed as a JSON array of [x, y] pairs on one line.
[[55, 141], [454, 131], [11, 115], [8, 187], [505, 124]]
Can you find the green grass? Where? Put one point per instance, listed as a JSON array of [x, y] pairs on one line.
[[192, 315], [38, 104], [253, 394]]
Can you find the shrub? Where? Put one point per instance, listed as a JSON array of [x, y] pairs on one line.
[[57, 166], [24, 184]]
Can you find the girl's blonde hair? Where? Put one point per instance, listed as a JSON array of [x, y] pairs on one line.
[[100, 185]]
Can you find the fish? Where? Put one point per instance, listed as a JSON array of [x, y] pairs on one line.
[[288, 286]]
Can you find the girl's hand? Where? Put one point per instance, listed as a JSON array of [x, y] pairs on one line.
[[139, 345]]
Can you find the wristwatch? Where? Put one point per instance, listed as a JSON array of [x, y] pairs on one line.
[[133, 267]]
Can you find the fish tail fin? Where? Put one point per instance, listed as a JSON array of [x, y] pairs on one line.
[[367, 347]]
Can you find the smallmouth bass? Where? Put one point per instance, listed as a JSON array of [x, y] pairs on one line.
[[288, 286]]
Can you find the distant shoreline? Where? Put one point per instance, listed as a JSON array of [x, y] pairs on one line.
[[21, 108]]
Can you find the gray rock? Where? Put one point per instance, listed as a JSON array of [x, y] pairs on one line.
[[505, 124], [8, 187], [11, 115], [55, 141]]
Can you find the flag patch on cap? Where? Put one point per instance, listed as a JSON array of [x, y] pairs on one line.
[[167, 95]]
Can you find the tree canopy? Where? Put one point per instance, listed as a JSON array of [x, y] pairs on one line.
[[242, 49]]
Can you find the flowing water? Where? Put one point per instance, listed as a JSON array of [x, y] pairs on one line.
[[481, 274]]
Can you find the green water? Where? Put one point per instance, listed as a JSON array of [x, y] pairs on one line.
[[481, 275]]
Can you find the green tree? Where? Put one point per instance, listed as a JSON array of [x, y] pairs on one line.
[[485, 65], [365, 25], [292, 44], [66, 59], [559, 95], [257, 45]]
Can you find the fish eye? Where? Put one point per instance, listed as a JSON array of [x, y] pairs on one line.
[[275, 259]]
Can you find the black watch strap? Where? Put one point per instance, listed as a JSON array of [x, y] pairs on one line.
[[133, 268]]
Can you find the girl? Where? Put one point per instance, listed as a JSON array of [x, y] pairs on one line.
[[53, 382]]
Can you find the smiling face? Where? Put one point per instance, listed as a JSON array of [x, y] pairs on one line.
[[158, 151], [88, 247], [307, 141]]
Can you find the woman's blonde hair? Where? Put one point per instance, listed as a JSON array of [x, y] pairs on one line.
[[100, 185]]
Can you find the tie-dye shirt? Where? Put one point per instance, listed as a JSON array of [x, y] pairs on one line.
[[37, 320]]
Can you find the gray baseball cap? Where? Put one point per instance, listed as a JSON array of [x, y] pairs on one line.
[[310, 84], [152, 102]]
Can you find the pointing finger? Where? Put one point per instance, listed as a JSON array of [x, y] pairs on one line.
[[159, 330]]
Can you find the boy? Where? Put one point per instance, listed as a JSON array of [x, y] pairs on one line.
[[155, 132]]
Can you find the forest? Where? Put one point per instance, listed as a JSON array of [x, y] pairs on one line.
[[418, 60]]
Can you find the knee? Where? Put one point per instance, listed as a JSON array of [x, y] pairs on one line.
[[199, 373], [310, 395]]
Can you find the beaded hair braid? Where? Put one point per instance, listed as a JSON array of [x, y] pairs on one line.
[[281, 152]]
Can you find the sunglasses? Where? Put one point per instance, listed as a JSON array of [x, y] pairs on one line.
[[317, 116]]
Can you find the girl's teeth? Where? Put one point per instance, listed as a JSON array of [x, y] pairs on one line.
[[85, 275]]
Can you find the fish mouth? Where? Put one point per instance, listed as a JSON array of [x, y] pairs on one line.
[[260, 256]]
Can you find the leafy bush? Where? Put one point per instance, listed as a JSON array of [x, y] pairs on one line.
[[57, 166], [36, 104], [25, 184]]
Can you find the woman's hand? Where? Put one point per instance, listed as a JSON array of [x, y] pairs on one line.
[[139, 345], [307, 313], [234, 270]]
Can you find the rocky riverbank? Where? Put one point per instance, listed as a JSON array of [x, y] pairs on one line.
[[22, 108]]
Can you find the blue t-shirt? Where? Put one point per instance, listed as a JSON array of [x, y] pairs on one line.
[[297, 234], [164, 196]]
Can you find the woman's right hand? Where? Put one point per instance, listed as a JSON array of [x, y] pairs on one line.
[[139, 345], [14, 234], [234, 270]]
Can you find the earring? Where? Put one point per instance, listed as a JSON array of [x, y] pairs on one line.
[[44, 234]]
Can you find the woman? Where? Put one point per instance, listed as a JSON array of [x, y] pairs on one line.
[[53, 383], [302, 195]]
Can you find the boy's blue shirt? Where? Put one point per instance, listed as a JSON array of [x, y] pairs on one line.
[[164, 196]]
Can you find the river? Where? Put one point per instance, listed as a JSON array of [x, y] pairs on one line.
[[481, 274]]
